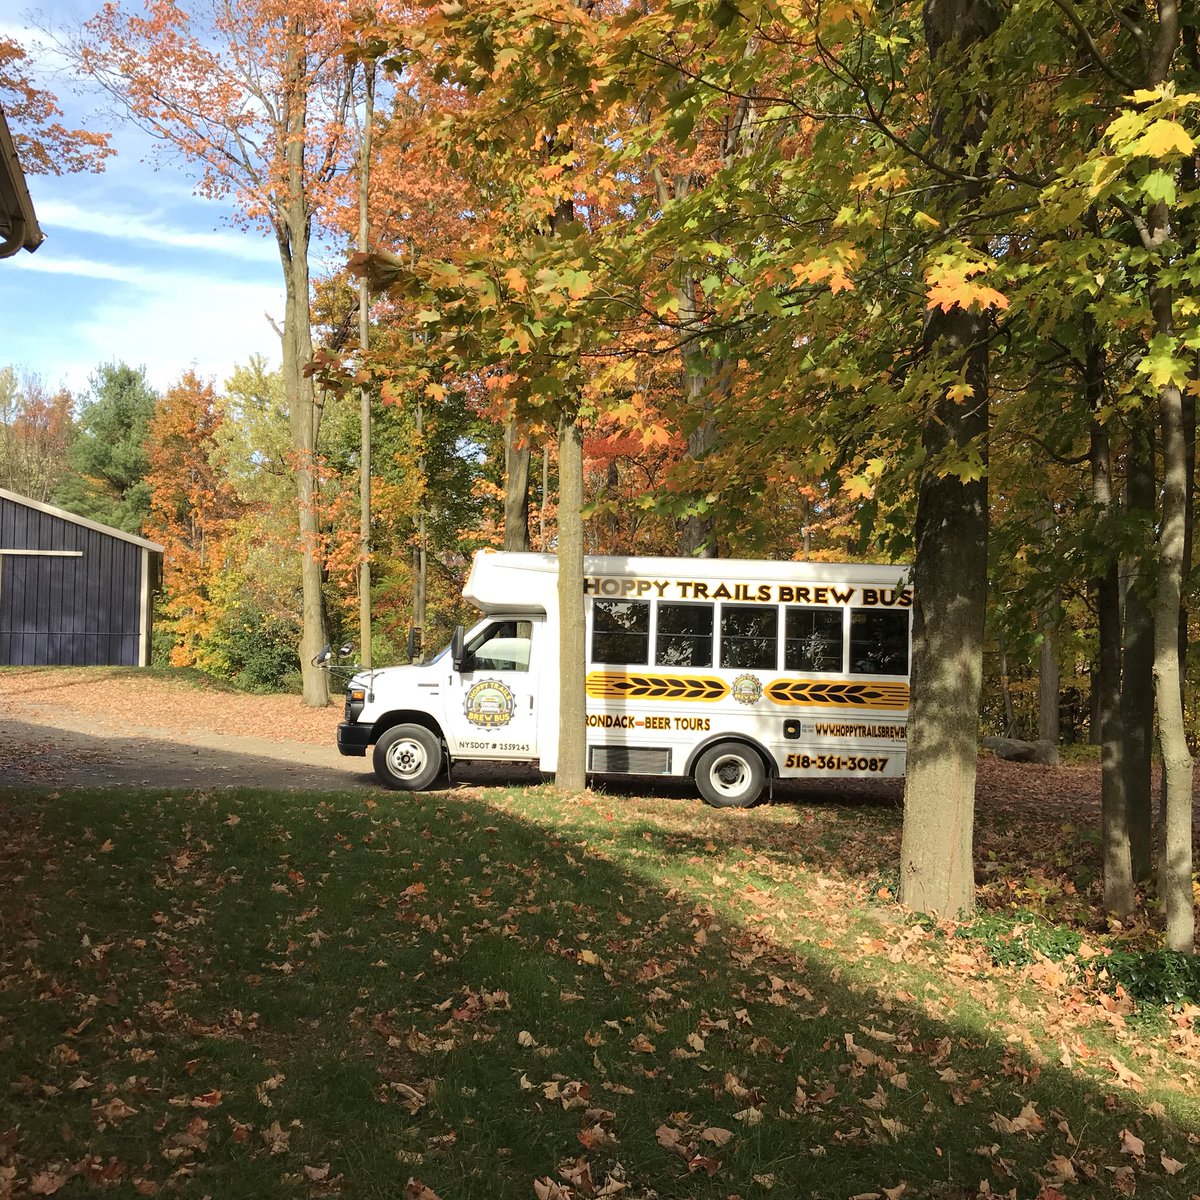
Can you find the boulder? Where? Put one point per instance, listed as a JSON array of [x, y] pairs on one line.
[[1045, 754]]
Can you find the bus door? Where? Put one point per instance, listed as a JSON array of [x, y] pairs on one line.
[[491, 704]]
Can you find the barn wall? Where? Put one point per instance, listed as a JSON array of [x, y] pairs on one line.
[[80, 609]]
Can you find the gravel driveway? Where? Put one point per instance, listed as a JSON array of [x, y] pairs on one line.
[[117, 727], [114, 727]]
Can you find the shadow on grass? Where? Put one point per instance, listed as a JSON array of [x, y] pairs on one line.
[[282, 995]]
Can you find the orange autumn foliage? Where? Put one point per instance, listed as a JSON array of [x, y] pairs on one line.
[[45, 146], [193, 511]]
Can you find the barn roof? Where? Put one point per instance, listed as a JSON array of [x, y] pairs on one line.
[[18, 222], [62, 514]]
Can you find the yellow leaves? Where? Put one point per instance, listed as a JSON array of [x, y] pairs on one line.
[[950, 284], [1162, 140], [859, 487], [842, 11], [880, 179]]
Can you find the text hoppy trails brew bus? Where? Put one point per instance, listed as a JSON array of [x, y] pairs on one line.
[[732, 672]]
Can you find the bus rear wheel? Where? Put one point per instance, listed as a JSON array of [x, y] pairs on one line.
[[408, 758], [730, 775]]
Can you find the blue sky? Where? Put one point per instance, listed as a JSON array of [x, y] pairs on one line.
[[135, 268]]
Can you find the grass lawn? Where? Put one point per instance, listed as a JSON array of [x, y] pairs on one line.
[[512, 994]]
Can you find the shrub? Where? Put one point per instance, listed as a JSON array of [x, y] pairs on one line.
[[1021, 938], [1156, 976], [257, 651]]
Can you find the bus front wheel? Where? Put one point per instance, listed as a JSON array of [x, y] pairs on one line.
[[408, 758], [730, 775]]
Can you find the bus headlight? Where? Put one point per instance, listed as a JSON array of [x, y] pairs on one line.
[[356, 698]]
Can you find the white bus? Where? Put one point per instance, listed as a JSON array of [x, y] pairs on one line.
[[733, 672]]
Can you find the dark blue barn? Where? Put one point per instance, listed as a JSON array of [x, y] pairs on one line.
[[72, 592]]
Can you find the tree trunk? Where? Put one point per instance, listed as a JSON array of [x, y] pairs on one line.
[[1010, 716], [544, 510], [421, 549], [1118, 877], [516, 488], [571, 770], [950, 576], [364, 399], [292, 228], [1168, 693], [701, 386], [1049, 678], [1189, 434], [1172, 539], [1177, 759], [706, 377], [950, 587], [1137, 667]]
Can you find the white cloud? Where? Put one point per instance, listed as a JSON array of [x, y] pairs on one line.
[[211, 325], [139, 228], [89, 268], [163, 320]]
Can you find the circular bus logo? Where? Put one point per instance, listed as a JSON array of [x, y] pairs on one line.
[[489, 704], [746, 689]]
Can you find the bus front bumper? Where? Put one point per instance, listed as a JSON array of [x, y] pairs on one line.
[[353, 739]]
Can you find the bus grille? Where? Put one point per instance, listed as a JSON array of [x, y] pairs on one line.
[[629, 760]]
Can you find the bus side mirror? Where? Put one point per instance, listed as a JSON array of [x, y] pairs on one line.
[[457, 648]]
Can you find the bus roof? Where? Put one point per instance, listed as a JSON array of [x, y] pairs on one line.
[[507, 581]]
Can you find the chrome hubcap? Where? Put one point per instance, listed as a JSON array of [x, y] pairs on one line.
[[406, 758]]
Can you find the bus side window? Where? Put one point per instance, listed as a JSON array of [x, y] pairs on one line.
[[621, 632], [685, 635], [749, 636], [878, 641], [503, 646], [812, 639]]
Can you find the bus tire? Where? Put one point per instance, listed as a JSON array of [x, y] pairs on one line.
[[730, 775], [408, 758]]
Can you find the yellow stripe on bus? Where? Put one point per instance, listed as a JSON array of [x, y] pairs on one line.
[[622, 685], [821, 693]]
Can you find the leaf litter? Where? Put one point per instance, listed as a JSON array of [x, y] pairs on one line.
[[252, 981]]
